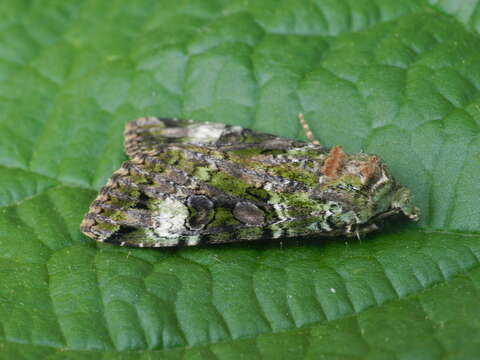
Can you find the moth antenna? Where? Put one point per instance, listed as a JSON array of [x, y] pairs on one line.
[[307, 131]]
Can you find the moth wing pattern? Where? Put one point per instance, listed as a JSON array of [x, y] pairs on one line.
[[179, 188], [151, 133], [188, 183]]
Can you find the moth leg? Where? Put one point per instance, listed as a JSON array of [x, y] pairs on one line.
[[307, 131], [357, 233]]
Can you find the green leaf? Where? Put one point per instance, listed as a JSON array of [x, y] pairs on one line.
[[400, 79]]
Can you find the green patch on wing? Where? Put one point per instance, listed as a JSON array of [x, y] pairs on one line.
[[229, 183], [260, 160], [344, 181], [297, 204], [107, 227], [294, 172], [222, 217]]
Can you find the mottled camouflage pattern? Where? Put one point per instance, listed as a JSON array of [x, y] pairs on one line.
[[189, 183]]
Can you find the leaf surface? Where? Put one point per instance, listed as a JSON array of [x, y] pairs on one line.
[[398, 79]]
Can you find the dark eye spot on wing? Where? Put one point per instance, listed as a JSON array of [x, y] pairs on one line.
[[248, 213], [201, 211]]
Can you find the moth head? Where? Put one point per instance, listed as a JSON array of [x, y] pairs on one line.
[[387, 196], [362, 184]]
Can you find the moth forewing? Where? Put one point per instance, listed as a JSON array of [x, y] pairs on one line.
[[190, 183]]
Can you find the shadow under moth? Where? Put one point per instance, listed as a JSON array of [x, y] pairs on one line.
[[189, 183]]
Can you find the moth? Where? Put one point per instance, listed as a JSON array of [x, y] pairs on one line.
[[190, 183]]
